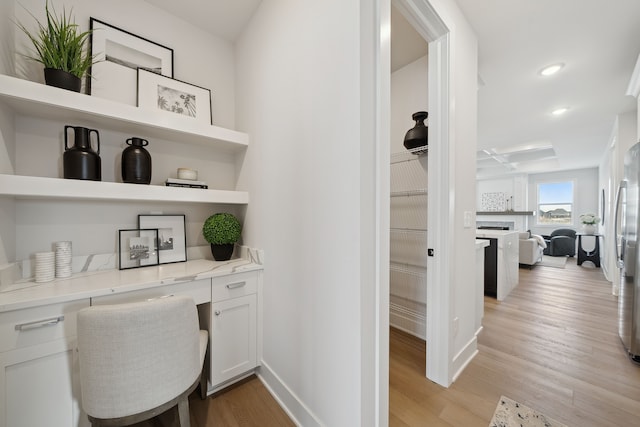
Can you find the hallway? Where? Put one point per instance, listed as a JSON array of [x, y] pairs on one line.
[[552, 344]]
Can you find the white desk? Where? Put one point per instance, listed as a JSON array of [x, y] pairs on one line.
[[39, 377]]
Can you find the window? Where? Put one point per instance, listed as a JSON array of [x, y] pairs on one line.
[[555, 203]]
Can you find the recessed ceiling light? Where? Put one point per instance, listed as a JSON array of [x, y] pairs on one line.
[[560, 111], [551, 69]]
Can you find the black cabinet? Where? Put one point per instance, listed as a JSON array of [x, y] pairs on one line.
[[490, 267]]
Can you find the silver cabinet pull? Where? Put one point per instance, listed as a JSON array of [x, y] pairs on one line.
[[217, 312], [39, 323], [236, 285]]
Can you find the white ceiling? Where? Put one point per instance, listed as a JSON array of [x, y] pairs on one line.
[[224, 18], [598, 41]]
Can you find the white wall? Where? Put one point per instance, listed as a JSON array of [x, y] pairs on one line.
[[462, 184], [7, 139], [299, 94], [586, 194], [409, 93]]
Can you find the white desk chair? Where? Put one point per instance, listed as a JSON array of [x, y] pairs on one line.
[[139, 359]]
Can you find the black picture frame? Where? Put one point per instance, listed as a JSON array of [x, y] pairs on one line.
[[137, 248], [172, 241], [117, 56]]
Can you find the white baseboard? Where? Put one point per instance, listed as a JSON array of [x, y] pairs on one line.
[[299, 413], [464, 357], [408, 320]]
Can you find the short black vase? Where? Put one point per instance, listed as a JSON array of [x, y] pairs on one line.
[[136, 162], [222, 252], [62, 79], [418, 135]]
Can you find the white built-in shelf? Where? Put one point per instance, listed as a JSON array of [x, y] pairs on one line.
[[26, 187], [38, 100]]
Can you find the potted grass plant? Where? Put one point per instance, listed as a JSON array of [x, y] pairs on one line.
[[222, 231], [61, 47]]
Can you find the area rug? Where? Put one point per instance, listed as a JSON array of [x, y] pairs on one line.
[[510, 413], [553, 261]]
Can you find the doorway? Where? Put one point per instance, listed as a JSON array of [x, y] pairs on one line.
[[425, 22]]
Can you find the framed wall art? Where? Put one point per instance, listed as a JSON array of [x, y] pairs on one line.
[[161, 93], [137, 248], [172, 242], [118, 55]]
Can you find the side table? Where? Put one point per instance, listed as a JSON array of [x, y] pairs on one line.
[[594, 255]]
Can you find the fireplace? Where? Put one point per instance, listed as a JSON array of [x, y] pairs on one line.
[[495, 225]]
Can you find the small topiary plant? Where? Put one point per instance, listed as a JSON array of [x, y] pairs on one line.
[[221, 229]]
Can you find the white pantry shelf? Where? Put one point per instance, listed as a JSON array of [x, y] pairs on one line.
[[38, 100], [27, 187]]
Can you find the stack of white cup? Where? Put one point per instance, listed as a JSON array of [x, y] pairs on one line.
[[63, 259], [45, 266]]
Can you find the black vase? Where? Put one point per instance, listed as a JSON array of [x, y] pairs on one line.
[[81, 161], [222, 252], [62, 79], [418, 135], [136, 162]]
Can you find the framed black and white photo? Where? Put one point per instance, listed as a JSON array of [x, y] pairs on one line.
[[118, 55], [172, 243], [162, 93], [137, 248]]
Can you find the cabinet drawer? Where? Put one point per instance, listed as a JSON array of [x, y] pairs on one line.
[[234, 285], [30, 326], [199, 290]]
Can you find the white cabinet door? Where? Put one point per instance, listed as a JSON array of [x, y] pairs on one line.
[[233, 338], [39, 386]]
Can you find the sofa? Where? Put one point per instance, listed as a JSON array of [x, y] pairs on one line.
[[531, 248]]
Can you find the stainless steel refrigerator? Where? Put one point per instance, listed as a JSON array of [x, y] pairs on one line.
[[627, 224]]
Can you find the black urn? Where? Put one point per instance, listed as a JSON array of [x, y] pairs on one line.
[[81, 161], [136, 162], [418, 135]]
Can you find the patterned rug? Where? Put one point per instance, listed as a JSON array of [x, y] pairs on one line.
[[510, 413], [553, 261]]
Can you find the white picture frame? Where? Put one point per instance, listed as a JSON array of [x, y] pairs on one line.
[[118, 55], [161, 93]]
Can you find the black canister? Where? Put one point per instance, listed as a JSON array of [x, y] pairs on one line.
[[418, 135], [136, 162], [81, 161]]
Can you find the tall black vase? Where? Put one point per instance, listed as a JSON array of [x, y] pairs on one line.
[[81, 161], [417, 136], [136, 162], [62, 79]]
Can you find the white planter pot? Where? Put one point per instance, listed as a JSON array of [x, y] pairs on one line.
[[589, 228]]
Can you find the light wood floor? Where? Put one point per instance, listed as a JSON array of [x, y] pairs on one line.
[[551, 345]]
